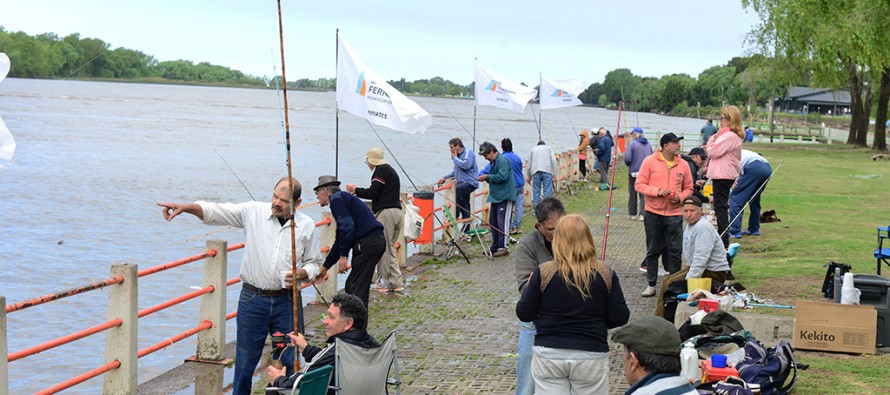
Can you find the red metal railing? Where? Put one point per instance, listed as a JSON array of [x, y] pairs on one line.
[[59, 295]]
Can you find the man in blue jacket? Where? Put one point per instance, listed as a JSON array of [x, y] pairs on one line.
[[518, 180], [501, 195], [465, 176], [357, 231], [604, 156]]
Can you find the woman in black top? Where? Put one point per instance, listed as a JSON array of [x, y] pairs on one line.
[[573, 300]]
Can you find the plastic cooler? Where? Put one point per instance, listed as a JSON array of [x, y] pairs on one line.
[[874, 289]]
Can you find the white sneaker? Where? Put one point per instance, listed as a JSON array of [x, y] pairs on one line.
[[648, 292], [640, 217], [633, 218]]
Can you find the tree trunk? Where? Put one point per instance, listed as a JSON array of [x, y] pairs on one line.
[[862, 137], [880, 142], [855, 103]]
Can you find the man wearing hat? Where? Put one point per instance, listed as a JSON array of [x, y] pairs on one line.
[[384, 196], [652, 357], [265, 305], [357, 231], [702, 249], [665, 179], [696, 161], [638, 149]]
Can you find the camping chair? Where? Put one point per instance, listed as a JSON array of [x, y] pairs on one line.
[[313, 382], [882, 254], [452, 226], [365, 371]]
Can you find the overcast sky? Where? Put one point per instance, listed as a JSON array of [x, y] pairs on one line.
[[580, 39]]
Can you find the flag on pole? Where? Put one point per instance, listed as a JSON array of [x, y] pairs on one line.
[[364, 94], [494, 90], [560, 93], [7, 143]]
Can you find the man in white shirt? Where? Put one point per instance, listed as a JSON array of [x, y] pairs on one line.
[[265, 305], [541, 172]]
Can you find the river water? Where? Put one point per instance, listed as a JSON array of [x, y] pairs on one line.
[[93, 158]]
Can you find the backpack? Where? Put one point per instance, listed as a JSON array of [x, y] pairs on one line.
[[769, 367]]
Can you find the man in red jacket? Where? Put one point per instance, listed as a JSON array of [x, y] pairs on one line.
[[666, 180]]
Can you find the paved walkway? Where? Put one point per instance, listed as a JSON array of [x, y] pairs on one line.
[[456, 325]]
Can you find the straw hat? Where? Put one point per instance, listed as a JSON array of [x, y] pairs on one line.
[[375, 157]]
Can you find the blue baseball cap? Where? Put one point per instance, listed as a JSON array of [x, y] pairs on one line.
[[638, 130]]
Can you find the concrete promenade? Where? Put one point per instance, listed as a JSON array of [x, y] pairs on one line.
[[456, 325]]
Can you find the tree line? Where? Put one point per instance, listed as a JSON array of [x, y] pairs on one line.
[[49, 56]]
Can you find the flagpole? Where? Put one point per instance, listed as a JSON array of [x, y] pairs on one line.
[[295, 288], [337, 117], [475, 89], [540, 109]]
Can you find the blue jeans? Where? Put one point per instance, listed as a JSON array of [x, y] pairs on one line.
[[517, 212], [525, 382], [756, 174], [259, 316], [541, 180]]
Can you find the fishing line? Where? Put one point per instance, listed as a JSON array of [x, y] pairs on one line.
[[234, 174], [461, 125], [756, 193]]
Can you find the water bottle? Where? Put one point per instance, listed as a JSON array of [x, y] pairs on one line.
[[689, 362]]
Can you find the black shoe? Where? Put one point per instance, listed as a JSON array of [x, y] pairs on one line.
[[729, 276]]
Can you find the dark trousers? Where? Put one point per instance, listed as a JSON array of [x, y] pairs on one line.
[[365, 254], [721, 208], [499, 218], [463, 191], [662, 233], [633, 196], [582, 167]]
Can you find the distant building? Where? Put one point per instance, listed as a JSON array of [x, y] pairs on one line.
[[812, 100]]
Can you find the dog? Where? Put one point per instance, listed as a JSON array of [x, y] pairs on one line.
[[878, 157], [769, 216]]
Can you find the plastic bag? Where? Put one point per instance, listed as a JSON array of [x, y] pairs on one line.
[[413, 224]]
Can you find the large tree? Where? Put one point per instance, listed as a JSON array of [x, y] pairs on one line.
[[842, 43]]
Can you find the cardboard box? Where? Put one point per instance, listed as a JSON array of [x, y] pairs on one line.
[[825, 326]]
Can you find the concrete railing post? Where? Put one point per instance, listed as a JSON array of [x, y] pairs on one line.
[[4, 351], [212, 342], [450, 204], [402, 251], [121, 342], [328, 287]]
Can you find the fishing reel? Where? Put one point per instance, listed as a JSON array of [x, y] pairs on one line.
[[279, 341]]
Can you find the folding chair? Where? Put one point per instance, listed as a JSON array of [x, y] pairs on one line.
[[365, 371], [454, 226], [882, 254], [313, 382]]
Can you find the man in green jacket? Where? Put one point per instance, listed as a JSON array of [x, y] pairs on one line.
[[501, 195]]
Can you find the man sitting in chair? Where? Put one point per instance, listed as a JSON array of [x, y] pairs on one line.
[[347, 320], [702, 249]]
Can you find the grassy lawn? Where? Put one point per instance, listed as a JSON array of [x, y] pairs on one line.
[[830, 200]]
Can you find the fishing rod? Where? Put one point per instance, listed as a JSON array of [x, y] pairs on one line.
[[613, 160], [295, 292], [756, 193], [536, 119], [391, 154], [234, 174], [461, 125]]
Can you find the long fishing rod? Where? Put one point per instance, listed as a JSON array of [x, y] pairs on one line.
[[295, 292], [461, 125], [613, 160], [234, 174], [393, 156], [756, 193], [536, 119]]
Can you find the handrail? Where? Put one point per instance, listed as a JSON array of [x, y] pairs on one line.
[[175, 339], [64, 340], [175, 301], [176, 263], [64, 294], [84, 377]]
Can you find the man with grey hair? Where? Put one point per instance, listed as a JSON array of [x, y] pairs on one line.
[[501, 195], [652, 357], [532, 250]]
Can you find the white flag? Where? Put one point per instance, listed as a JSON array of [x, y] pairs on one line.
[[560, 93], [494, 90], [362, 93], [7, 143]]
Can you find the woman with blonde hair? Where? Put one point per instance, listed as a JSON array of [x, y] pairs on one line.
[[573, 300], [724, 164]]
